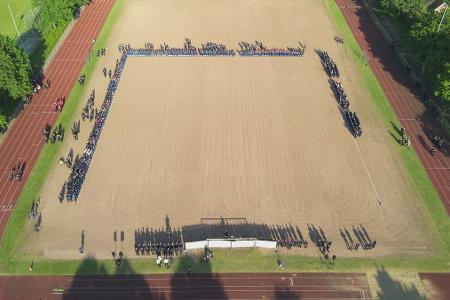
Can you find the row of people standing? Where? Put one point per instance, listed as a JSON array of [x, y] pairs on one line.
[[212, 49], [80, 168]]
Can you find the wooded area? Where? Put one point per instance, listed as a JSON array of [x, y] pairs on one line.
[[16, 70], [428, 41]]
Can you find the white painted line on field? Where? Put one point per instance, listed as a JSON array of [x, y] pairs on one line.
[[368, 174]]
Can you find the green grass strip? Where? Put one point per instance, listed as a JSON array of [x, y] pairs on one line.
[[417, 174], [236, 260], [18, 219]]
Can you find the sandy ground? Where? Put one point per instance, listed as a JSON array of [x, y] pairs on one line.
[[260, 138]]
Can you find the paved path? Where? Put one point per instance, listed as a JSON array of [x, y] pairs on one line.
[[218, 286], [402, 94], [24, 140]]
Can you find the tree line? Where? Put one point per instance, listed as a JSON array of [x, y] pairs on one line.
[[428, 41], [16, 71]]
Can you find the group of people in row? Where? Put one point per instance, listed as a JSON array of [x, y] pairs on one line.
[[167, 249], [165, 243], [404, 139], [57, 135], [339, 94], [259, 49], [208, 49], [319, 239], [80, 168], [212, 49], [35, 213], [328, 63], [363, 239], [351, 118], [17, 171]]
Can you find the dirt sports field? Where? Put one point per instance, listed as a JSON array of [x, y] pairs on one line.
[[260, 138]]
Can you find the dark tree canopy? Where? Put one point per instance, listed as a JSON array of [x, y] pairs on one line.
[[443, 88], [411, 8], [54, 12], [429, 40], [14, 70]]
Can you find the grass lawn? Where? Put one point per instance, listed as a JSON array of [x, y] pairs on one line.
[[12, 262], [19, 8]]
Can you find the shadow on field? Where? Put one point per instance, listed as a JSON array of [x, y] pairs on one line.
[[285, 294], [127, 285], [200, 284], [390, 289]]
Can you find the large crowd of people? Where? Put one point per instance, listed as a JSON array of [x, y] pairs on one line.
[[286, 235], [208, 49], [163, 243], [81, 166], [212, 49]]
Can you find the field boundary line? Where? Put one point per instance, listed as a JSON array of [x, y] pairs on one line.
[[368, 173]]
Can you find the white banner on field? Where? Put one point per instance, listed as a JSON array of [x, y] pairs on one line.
[[266, 244], [243, 244], [196, 245], [231, 244], [219, 244]]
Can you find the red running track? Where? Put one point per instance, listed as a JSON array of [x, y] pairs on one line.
[[24, 140], [402, 94], [439, 284], [206, 286]]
